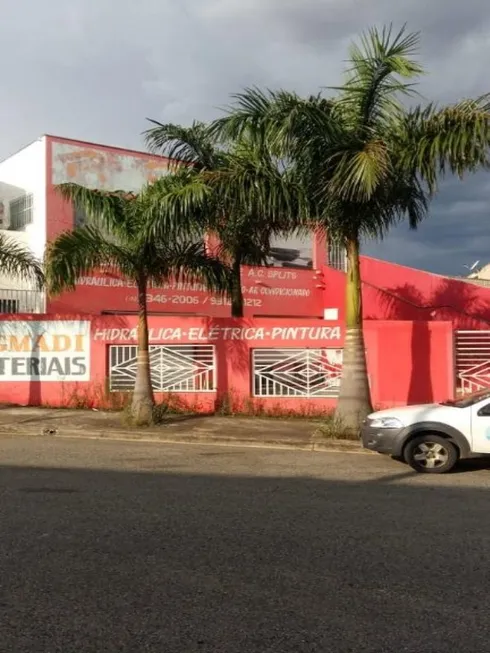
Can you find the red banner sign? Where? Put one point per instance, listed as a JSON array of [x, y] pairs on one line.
[[267, 291]]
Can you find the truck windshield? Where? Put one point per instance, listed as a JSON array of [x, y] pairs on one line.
[[468, 400]]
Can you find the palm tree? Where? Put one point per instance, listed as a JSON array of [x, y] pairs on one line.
[[17, 260], [366, 161], [117, 239], [240, 192], [193, 146]]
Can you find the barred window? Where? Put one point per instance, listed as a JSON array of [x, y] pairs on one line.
[[9, 305], [337, 256], [472, 361], [174, 368], [21, 212], [296, 372]]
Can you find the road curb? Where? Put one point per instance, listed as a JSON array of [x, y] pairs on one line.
[[122, 436]]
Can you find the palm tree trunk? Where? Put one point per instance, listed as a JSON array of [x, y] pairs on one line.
[[143, 400], [354, 402], [236, 292]]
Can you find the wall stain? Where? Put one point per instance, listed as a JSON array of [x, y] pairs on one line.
[[99, 168]]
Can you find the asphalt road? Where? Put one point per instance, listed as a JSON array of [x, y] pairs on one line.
[[132, 547]]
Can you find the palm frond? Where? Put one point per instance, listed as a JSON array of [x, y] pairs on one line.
[[189, 262], [79, 252], [17, 260], [400, 197], [379, 69], [281, 119], [454, 139], [358, 173], [177, 206], [247, 114], [106, 209], [249, 247], [396, 51], [194, 145]]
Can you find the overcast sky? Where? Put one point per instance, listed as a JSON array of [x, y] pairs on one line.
[[95, 69]]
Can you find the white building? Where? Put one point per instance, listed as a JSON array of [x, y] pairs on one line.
[[31, 212], [23, 217]]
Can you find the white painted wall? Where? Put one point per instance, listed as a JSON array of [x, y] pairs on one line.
[[22, 173]]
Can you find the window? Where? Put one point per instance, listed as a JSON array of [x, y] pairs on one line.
[[9, 305], [484, 411], [21, 212], [296, 372], [337, 256], [174, 368]]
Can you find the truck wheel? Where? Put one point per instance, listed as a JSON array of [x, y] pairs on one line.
[[431, 454]]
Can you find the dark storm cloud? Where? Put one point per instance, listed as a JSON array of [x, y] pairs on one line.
[[94, 69], [456, 233]]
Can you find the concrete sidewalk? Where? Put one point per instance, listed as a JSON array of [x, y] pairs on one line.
[[240, 431]]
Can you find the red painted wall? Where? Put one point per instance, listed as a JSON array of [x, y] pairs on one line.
[[396, 292], [268, 291], [390, 291], [408, 362], [96, 166]]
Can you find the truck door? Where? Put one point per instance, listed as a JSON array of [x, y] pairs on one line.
[[480, 427]]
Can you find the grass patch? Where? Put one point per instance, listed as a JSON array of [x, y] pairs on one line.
[[163, 410], [333, 428], [235, 404], [95, 395]]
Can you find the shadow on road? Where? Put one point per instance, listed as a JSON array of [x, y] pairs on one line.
[[95, 560], [463, 467], [472, 465]]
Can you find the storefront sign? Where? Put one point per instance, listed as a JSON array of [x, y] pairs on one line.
[[266, 291], [217, 333], [45, 351]]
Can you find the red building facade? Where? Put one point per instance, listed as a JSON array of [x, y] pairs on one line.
[[427, 337]]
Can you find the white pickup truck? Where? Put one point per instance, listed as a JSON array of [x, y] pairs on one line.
[[432, 438]]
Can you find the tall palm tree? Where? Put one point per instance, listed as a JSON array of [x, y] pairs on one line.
[[117, 238], [366, 161], [17, 261], [240, 192]]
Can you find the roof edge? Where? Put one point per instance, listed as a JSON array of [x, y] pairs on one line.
[[118, 148]]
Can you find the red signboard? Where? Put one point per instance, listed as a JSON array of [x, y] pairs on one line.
[[267, 291], [274, 291]]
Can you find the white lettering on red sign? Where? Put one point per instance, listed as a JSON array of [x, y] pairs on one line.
[[56, 350], [272, 273], [285, 292], [203, 334]]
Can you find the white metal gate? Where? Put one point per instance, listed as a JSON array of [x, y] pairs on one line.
[[472, 361], [174, 368], [296, 372]]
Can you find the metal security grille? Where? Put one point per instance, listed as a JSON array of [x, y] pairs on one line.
[[9, 305], [21, 301], [174, 368], [337, 256], [21, 212], [472, 361], [296, 372]]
